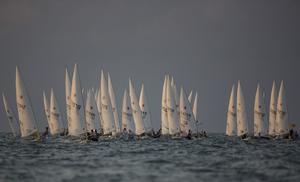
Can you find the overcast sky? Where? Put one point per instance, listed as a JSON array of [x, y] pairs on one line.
[[206, 45]]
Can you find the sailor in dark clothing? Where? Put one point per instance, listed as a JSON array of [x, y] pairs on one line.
[[46, 133], [189, 135]]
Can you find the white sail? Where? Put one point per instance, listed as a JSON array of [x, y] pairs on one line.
[[68, 97], [12, 120], [187, 120], [27, 120], [143, 102], [272, 111], [136, 111], [260, 122], [106, 109], [282, 113], [113, 104], [176, 95], [98, 102], [77, 119], [190, 98], [173, 120], [91, 112], [46, 108], [127, 119], [55, 124], [231, 114], [164, 110], [242, 123], [195, 111]]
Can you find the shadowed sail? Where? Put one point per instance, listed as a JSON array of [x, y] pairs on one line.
[[68, 96], [127, 119], [46, 108], [260, 117], [56, 123], [12, 120], [173, 120], [272, 111], [164, 110], [242, 123], [91, 112], [27, 120], [231, 114], [113, 104]]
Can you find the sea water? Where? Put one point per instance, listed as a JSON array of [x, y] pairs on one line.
[[216, 158]]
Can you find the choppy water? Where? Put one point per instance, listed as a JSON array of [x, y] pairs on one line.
[[216, 158]]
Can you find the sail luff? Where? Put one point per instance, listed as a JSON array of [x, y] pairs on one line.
[[231, 114], [273, 111]]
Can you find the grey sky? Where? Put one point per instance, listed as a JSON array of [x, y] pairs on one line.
[[206, 45]]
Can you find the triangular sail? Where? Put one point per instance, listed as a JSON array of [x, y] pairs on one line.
[[187, 120], [27, 120], [56, 124], [176, 95], [113, 104], [195, 111], [242, 123], [46, 108], [106, 109], [190, 98], [282, 113], [174, 126], [68, 97], [143, 102], [127, 119], [260, 116], [77, 119], [12, 120], [231, 114], [91, 112], [272, 111], [164, 113], [136, 111]]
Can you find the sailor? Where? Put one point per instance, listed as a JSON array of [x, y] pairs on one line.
[[204, 134], [189, 135], [291, 134], [46, 133]]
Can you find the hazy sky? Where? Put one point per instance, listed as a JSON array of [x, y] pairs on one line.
[[206, 45]]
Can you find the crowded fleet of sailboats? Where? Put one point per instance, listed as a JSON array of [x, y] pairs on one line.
[[93, 113]]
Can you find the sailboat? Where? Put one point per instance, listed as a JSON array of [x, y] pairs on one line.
[[56, 123], [136, 111], [46, 108], [12, 120], [242, 123], [68, 97], [173, 120], [127, 120], [77, 125], [187, 119], [282, 113], [113, 104], [260, 117], [164, 109], [143, 102], [91, 112], [106, 109], [231, 114], [272, 111], [27, 121], [195, 112]]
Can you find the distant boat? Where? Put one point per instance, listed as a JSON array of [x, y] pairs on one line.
[[77, 125], [46, 108], [56, 123], [113, 104], [231, 114], [164, 112], [68, 97], [143, 102], [136, 111], [273, 110], [127, 118], [27, 121], [173, 120], [260, 116], [106, 109], [282, 113], [91, 113], [242, 123], [12, 120], [187, 120]]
